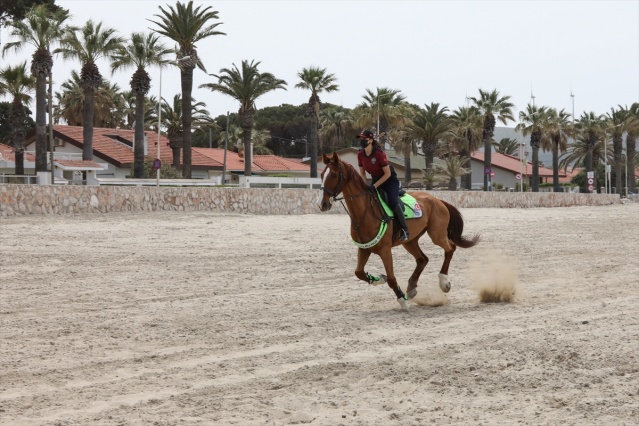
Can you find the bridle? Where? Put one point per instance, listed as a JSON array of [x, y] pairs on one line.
[[373, 199], [337, 189]]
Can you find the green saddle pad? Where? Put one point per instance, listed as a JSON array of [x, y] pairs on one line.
[[411, 207]]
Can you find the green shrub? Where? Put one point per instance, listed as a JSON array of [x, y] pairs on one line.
[[167, 171]]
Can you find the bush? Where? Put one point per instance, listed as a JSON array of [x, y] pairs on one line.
[[167, 171]]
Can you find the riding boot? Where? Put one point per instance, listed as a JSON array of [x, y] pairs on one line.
[[399, 214]]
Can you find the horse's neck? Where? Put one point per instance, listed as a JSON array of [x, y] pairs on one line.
[[358, 202]]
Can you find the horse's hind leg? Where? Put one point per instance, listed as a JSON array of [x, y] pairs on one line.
[[422, 260], [440, 237]]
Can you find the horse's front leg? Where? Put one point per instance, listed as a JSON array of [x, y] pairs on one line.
[[387, 259], [362, 258]]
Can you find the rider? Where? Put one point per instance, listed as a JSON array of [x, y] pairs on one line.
[[373, 160]]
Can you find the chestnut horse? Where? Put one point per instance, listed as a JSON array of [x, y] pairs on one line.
[[442, 222]]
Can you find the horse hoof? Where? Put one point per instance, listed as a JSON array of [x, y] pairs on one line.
[[411, 294], [403, 303], [382, 279], [444, 284]]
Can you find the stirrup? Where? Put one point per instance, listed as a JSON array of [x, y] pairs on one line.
[[404, 235]]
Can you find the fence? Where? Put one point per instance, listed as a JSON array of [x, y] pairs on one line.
[[76, 199]]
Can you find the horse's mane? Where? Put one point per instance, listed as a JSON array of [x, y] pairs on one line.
[[351, 174]]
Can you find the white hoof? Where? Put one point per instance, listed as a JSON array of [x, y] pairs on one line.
[[444, 284], [403, 303]]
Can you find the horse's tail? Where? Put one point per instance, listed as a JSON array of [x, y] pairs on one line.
[[456, 228]]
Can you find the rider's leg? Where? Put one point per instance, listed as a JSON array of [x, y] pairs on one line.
[[391, 186]]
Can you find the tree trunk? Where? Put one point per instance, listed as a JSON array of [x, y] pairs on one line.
[[87, 124], [187, 88], [630, 167], [466, 179], [535, 168], [41, 124], [555, 165], [452, 184], [18, 133], [428, 159], [617, 148], [313, 146], [138, 145], [487, 136], [248, 158], [175, 150], [408, 175]]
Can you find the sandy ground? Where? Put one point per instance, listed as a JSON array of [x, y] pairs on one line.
[[213, 319]]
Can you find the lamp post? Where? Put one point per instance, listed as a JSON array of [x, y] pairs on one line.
[[176, 62]]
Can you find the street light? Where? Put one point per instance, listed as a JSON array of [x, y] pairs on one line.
[[176, 62]]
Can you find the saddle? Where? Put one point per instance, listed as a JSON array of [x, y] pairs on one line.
[[410, 206]]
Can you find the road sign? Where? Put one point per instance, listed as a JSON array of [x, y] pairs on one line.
[[157, 164], [492, 174], [591, 188], [487, 171], [518, 176], [591, 181], [590, 175]]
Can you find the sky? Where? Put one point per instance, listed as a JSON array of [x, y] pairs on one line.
[[432, 51]]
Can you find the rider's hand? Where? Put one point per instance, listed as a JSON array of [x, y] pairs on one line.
[[372, 188]]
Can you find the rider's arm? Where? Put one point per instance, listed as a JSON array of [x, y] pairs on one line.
[[385, 176]]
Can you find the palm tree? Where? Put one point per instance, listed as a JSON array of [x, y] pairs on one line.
[[631, 141], [384, 106], [172, 121], [317, 80], [245, 85], [142, 51], [581, 148], [532, 122], [334, 123], [404, 144], [260, 138], [41, 28], [589, 128], [16, 83], [186, 26], [558, 129], [506, 146], [616, 121], [490, 104], [466, 132], [110, 103], [92, 43], [430, 125], [451, 171]]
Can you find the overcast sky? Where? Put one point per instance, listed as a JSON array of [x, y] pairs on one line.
[[433, 51]]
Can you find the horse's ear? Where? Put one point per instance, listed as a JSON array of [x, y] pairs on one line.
[[325, 158], [335, 157]]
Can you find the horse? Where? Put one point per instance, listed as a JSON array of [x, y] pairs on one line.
[[443, 223]]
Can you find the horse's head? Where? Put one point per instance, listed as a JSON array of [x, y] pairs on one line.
[[332, 181]]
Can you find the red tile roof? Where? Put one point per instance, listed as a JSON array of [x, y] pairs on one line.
[[116, 147], [510, 163], [275, 163], [80, 164], [7, 152]]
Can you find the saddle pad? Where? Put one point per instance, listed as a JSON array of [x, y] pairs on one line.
[[411, 207]]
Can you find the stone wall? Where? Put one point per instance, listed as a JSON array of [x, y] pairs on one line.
[[47, 199]]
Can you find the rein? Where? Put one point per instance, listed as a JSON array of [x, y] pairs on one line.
[[384, 219]]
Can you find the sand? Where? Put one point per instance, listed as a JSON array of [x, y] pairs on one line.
[[217, 319]]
